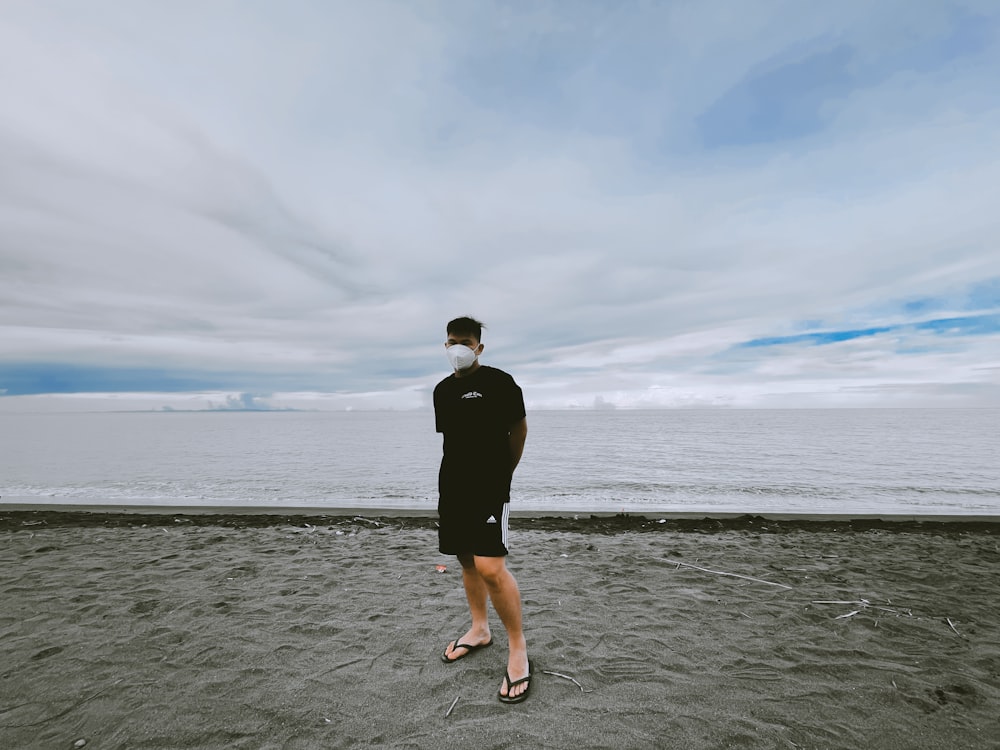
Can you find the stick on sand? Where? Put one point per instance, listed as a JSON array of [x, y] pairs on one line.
[[722, 573], [567, 677]]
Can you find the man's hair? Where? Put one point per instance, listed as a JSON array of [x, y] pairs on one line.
[[466, 327]]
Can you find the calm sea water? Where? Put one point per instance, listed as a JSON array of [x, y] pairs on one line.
[[815, 461]]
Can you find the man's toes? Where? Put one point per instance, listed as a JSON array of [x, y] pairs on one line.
[[512, 692]]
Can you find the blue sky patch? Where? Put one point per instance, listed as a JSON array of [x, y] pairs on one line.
[[824, 337], [971, 325], [785, 102], [29, 378]]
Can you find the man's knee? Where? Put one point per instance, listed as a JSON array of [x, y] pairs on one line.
[[492, 569]]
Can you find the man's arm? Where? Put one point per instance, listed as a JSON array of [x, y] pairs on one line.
[[518, 434]]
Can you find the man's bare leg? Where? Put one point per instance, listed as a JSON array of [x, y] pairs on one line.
[[476, 593], [506, 598]]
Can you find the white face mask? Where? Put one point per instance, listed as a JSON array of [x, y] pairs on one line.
[[461, 357]]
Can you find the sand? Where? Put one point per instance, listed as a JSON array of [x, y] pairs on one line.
[[324, 632]]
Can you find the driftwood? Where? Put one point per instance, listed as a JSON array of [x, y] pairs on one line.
[[452, 708]]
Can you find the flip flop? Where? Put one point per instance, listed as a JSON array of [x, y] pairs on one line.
[[511, 684], [468, 650]]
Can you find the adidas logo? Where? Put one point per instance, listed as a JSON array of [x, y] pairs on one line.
[[491, 519]]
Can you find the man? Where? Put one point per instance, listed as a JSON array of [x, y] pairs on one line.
[[480, 411]]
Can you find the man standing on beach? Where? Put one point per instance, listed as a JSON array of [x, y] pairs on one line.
[[480, 411]]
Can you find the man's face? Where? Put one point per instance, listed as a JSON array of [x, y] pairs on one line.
[[465, 340]]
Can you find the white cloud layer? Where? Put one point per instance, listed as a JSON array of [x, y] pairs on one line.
[[289, 200]]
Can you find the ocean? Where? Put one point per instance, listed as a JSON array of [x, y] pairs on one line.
[[860, 461]]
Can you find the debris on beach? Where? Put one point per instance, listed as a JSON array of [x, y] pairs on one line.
[[567, 677], [441, 568], [680, 564], [863, 605]]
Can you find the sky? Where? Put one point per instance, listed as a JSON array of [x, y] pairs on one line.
[[264, 204]]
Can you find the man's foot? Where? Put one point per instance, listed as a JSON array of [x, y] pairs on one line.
[[462, 647], [516, 690]]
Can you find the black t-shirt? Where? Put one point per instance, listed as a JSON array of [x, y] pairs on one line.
[[475, 413]]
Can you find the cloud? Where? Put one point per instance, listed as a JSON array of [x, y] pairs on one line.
[[681, 204], [245, 402]]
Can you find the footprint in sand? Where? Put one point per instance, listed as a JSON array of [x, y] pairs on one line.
[[624, 669], [765, 674]]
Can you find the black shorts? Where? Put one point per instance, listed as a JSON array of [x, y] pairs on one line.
[[473, 529]]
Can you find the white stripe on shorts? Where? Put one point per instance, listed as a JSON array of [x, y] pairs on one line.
[[505, 517]]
